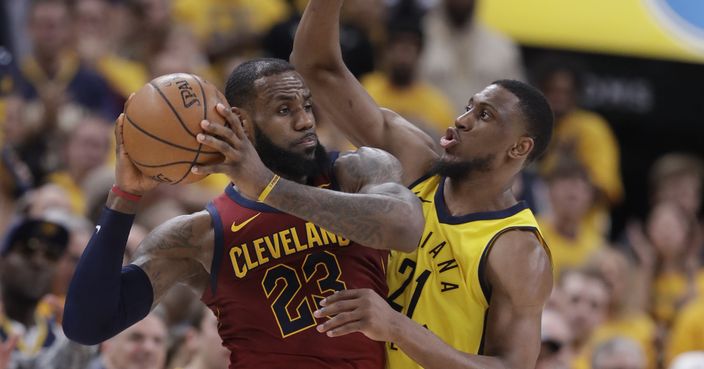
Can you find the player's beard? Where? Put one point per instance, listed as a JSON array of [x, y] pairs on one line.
[[289, 164], [460, 170]]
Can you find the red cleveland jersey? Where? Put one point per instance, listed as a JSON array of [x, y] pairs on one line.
[[270, 271]]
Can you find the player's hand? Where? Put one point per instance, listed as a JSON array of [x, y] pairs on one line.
[[242, 162], [127, 176], [361, 310]]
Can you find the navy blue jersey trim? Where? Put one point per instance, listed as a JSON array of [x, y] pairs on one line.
[[218, 247], [247, 203], [445, 217], [420, 180]]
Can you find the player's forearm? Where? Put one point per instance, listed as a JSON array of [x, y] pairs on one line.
[[104, 298], [374, 220], [428, 350], [316, 46]]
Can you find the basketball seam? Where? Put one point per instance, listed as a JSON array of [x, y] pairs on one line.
[[173, 110], [205, 116], [167, 142], [161, 165]]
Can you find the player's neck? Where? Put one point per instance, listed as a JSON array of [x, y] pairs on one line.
[[474, 195]]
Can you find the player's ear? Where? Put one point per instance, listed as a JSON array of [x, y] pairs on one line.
[[522, 147], [245, 119]]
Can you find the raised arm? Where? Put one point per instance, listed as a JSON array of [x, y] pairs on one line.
[[104, 298], [520, 276], [375, 211], [341, 100]]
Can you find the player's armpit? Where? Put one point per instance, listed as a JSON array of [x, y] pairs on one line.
[[178, 251], [519, 273]]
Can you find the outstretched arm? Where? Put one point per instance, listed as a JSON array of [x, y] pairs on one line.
[[104, 298], [375, 211], [521, 279], [341, 100]]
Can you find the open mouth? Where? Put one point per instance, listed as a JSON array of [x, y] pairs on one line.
[[450, 139]]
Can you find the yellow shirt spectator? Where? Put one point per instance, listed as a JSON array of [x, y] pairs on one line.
[[74, 191], [210, 18], [570, 253], [687, 332], [668, 291], [594, 144], [639, 328], [420, 103]]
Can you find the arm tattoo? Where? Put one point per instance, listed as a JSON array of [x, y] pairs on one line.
[[175, 252], [372, 217]]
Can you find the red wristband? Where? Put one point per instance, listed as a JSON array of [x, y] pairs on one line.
[[125, 195]]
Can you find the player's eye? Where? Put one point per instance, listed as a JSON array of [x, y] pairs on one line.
[[284, 110], [484, 115], [468, 108], [308, 107]]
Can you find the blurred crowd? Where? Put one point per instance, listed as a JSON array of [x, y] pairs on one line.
[[625, 301]]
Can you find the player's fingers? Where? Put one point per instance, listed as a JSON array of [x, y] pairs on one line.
[[220, 131], [339, 296], [119, 124], [338, 321], [345, 329], [335, 308], [239, 130], [223, 147], [210, 169]]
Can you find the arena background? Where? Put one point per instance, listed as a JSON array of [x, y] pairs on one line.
[[646, 72]]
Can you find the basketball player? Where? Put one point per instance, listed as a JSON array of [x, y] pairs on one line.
[[471, 294], [267, 251]]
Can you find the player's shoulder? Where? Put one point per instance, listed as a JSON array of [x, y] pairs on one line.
[[368, 164]]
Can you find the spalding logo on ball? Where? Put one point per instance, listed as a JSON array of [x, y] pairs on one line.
[[161, 122]]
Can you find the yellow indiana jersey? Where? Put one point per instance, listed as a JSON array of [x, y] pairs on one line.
[[441, 284]]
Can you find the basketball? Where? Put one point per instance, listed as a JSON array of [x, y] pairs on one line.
[[160, 126]]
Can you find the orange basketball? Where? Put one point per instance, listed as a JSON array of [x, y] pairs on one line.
[[161, 123]]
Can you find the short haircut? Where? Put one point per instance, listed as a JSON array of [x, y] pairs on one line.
[[536, 111], [240, 90]]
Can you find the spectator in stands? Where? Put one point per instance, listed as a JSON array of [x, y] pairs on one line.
[[687, 333], [210, 353], [566, 227], [398, 86], [29, 257], [86, 149], [462, 54], [142, 345], [96, 42], [663, 251], [586, 302], [24, 149], [618, 353], [555, 341], [580, 133], [53, 76], [627, 311]]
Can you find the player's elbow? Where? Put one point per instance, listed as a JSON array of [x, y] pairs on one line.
[[79, 329]]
